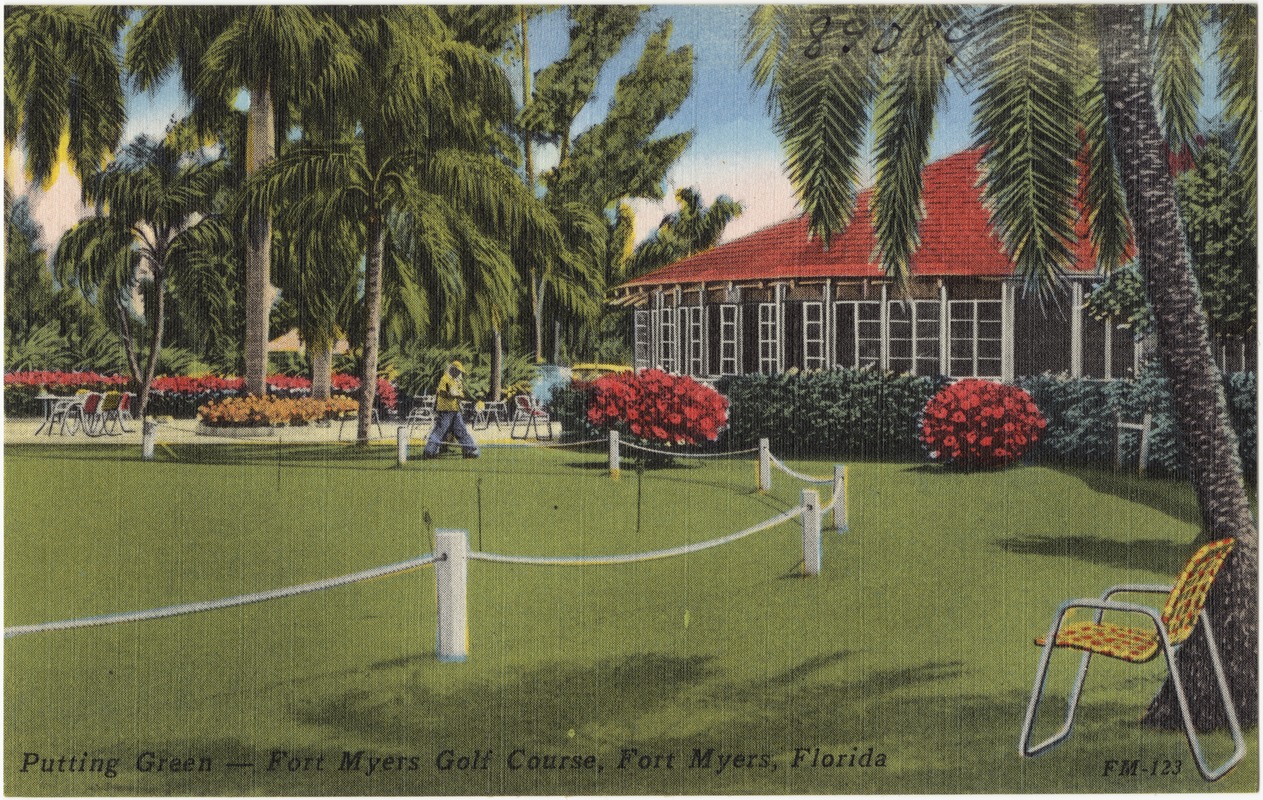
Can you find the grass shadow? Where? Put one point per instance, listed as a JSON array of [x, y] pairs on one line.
[[614, 689], [1169, 496], [1154, 555]]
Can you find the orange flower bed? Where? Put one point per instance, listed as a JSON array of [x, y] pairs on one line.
[[252, 412]]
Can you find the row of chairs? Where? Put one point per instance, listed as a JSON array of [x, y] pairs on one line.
[[94, 413], [528, 413]]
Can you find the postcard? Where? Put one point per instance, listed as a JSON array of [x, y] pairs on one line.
[[630, 400]]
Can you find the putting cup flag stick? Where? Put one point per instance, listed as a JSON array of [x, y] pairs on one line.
[[765, 466]]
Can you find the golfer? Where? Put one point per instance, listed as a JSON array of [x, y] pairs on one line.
[[447, 408]]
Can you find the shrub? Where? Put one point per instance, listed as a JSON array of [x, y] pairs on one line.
[[20, 388], [977, 424], [832, 413], [657, 408], [1081, 418], [235, 412]]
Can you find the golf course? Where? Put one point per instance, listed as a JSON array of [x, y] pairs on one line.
[[904, 667]]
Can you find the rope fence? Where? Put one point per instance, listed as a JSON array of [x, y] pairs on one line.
[[452, 552], [226, 602]]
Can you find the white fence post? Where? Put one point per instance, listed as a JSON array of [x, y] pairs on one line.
[[149, 433], [614, 455], [811, 532], [450, 573], [401, 444], [840, 522], [765, 466]]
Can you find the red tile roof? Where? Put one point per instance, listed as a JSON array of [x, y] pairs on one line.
[[956, 239]]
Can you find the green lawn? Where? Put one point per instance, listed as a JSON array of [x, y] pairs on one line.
[[914, 642]]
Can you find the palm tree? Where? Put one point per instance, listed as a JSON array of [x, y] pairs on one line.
[[155, 221], [693, 228], [411, 158], [62, 83], [274, 53], [1054, 83]]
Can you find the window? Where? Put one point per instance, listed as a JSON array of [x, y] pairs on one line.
[[728, 364], [666, 350], [691, 333], [975, 344], [914, 337], [858, 335], [813, 336], [769, 343], [640, 320]]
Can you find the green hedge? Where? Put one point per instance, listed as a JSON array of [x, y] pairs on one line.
[[846, 412], [871, 415], [1080, 414]]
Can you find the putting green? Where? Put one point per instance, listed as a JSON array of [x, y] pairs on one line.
[[904, 667]]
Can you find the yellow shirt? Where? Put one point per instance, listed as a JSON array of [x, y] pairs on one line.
[[450, 392]]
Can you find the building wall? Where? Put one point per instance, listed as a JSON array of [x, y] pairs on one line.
[[959, 328]]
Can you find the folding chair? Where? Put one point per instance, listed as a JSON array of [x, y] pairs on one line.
[[107, 415], [64, 411], [1185, 605], [85, 415], [422, 412], [531, 414]]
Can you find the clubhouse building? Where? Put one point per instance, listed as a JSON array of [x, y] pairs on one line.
[[775, 300]]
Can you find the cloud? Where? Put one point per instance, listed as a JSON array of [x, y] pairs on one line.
[[55, 209]]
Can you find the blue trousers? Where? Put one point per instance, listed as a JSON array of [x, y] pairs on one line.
[[450, 421]]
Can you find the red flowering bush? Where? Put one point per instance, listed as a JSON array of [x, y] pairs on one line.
[[63, 382], [980, 424], [658, 408]]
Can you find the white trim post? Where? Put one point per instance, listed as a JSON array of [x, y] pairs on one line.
[[401, 445], [614, 454], [149, 433], [811, 532], [450, 577], [765, 465], [841, 524]]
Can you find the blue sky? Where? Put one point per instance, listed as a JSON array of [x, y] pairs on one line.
[[734, 150]]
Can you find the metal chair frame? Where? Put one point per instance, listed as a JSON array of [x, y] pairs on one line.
[[1168, 650], [422, 411], [530, 413]]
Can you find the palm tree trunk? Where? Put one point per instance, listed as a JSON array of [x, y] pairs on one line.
[[1184, 350], [497, 364], [321, 356], [260, 149], [155, 342], [376, 230], [537, 311]]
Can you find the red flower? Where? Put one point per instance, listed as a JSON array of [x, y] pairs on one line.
[[980, 423]]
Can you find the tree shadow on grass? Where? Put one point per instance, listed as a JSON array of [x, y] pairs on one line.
[[1153, 555], [1172, 497], [525, 705]]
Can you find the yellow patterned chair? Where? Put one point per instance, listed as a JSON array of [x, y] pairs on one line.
[[1171, 627]]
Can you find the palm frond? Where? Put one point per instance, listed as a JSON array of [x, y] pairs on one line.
[[1177, 70], [1238, 85], [1026, 117], [1101, 197], [914, 89]]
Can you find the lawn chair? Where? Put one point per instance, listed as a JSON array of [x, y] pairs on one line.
[[530, 414], [84, 415], [107, 415], [64, 413], [422, 412], [125, 411], [1172, 626]]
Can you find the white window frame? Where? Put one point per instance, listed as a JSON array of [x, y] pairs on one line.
[[769, 340], [972, 317], [813, 344], [856, 338], [641, 347], [667, 340], [729, 362], [693, 354], [920, 348]]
